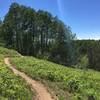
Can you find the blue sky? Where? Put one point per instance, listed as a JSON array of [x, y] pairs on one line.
[[82, 16]]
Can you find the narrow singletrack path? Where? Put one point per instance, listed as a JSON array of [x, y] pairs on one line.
[[41, 91]]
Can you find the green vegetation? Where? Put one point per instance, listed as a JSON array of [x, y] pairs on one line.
[[91, 48], [38, 34], [4, 52], [12, 87], [62, 79], [42, 35]]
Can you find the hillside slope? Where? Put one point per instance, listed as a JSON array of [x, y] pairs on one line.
[[42, 93], [68, 83], [12, 87]]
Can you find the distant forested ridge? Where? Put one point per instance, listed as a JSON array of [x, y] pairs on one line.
[[39, 34], [91, 48]]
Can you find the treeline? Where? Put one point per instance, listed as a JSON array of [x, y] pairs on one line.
[[91, 48], [39, 34]]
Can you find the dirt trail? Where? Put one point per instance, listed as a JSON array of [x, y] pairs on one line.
[[42, 93]]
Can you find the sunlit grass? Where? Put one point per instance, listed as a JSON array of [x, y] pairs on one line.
[[12, 87], [80, 85]]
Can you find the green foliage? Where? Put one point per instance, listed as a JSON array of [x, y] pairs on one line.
[[91, 48], [72, 79], [38, 34], [12, 87], [84, 63], [8, 52], [73, 86]]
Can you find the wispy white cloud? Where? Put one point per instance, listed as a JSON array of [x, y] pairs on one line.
[[60, 7]]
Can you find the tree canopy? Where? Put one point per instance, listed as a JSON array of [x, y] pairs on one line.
[[38, 33]]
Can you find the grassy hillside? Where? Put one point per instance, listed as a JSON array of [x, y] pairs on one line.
[[12, 87], [4, 52], [68, 83]]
